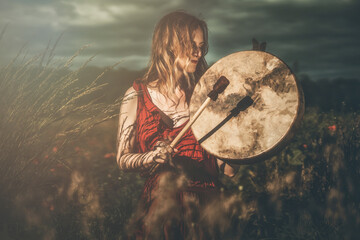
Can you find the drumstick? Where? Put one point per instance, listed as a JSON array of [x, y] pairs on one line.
[[242, 105], [218, 88]]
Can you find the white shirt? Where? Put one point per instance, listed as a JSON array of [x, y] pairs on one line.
[[177, 110]]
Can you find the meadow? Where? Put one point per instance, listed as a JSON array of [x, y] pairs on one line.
[[59, 178]]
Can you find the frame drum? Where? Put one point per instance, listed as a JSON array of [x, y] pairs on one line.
[[264, 128]]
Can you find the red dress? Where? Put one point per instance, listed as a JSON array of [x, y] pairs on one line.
[[199, 167]]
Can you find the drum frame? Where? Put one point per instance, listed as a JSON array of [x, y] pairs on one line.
[[284, 140]]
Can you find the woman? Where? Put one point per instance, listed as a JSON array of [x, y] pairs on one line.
[[154, 111]]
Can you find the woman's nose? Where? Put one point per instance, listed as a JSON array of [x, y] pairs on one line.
[[197, 51]]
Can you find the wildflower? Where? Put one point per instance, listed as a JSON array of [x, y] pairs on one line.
[[109, 155], [51, 207], [55, 149], [305, 146], [52, 170], [332, 128]]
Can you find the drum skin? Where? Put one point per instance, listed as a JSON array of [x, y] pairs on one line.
[[264, 128]]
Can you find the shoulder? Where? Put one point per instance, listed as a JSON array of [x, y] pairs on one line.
[[129, 102], [130, 92], [131, 95]]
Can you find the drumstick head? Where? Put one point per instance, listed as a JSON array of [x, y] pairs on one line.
[[218, 88]]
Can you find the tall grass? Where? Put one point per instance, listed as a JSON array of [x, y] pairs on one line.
[[45, 109]]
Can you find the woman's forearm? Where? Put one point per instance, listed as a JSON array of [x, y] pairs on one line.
[[161, 154], [136, 161]]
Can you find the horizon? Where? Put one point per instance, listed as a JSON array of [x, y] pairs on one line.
[[319, 37]]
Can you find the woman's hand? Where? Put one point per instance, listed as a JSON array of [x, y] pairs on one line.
[[163, 152], [228, 169]]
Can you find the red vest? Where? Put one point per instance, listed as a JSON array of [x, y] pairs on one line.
[[199, 166]]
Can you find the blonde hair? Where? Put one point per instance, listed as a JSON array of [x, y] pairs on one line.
[[173, 38]]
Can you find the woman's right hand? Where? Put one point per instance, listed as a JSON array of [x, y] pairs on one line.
[[162, 152]]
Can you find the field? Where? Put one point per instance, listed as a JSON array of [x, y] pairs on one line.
[[59, 178]]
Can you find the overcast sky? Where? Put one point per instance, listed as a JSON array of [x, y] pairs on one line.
[[322, 35]]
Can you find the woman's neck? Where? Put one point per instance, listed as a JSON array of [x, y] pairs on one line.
[[181, 85]]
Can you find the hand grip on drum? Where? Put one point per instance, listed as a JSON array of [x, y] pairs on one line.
[[218, 88]]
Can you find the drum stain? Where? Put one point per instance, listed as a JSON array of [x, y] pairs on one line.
[[257, 135], [276, 80], [251, 146], [231, 100], [258, 102], [226, 104]]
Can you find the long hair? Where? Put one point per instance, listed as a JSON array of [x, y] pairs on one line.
[[172, 38]]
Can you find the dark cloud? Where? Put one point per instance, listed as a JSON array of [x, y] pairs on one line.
[[320, 35]]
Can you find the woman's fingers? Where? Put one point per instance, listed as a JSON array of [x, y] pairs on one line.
[[162, 157], [163, 151], [160, 160]]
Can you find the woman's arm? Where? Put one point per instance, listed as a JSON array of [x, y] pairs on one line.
[[126, 158], [228, 169]]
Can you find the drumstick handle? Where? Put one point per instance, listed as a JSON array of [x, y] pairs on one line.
[[218, 88], [190, 123], [186, 127]]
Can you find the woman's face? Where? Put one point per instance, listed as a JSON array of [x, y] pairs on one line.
[[189, 64]]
